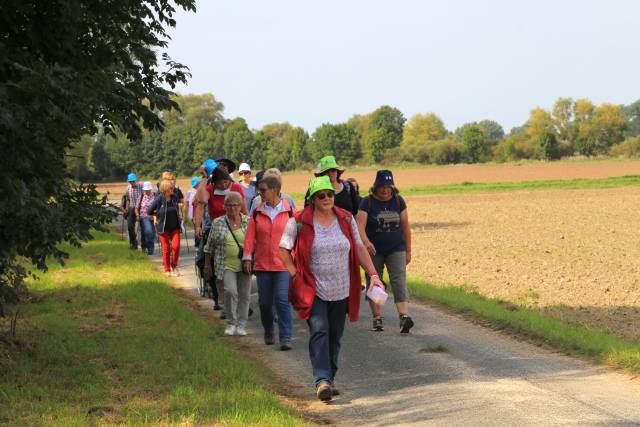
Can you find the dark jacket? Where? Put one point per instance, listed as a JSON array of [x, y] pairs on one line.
[[159, 208]]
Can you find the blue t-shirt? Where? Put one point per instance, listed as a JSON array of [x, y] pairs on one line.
[[383, 224]]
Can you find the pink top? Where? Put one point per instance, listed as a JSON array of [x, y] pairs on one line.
[[264, 235]]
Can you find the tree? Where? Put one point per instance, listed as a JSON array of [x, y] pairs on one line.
[[66, 66], [238, 140], [422, 128], [340, 140], [539, 122], [492, 130], [385, 131], [632, 112], [562, 116], [286, 147], [548, 145], [473, 142]]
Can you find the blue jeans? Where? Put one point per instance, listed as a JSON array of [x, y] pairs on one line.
[[326, 325], [273, 288], [148, 234]]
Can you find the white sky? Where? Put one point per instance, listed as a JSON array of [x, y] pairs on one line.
[[314, 62]]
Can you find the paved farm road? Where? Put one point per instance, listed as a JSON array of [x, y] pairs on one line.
[[483, 379]]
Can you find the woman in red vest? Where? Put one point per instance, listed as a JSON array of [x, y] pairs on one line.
[[326, 282]]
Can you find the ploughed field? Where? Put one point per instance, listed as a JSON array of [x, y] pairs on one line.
[[572, 253]]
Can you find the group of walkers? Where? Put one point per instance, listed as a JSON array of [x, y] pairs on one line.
[[307, 259]]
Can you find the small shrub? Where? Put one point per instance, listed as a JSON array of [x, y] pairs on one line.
[[443, 152], [630, 147]]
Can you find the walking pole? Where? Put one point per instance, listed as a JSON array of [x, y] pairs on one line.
[[122, 229]]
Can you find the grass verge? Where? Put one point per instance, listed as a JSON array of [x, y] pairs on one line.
[[600, 346], [106, 340]]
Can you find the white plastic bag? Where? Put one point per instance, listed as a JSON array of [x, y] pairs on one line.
[[377, 295]]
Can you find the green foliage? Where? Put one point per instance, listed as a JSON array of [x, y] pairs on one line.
[[472, 142], [632, 112], [339, 140], [548, 145], [422, 128], [284, 147], [69, 67], [385, 131], [630, 147]]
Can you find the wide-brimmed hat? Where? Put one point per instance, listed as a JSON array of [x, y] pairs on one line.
[[244, 167], [326, 163], [383, 177], [147, 186], [318, 184], [223, 158], [132, 177]]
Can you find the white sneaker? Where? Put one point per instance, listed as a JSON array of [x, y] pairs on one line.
[[241, 331], [230, 330]]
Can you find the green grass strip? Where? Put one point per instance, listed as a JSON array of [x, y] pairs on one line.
[[108, 342], [492, 187], [573, 339]]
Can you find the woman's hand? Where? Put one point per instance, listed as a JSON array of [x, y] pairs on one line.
[[246, 266], [375, 281]]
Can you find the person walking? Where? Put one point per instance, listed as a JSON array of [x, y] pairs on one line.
[[346, 195], [146, 221], [258, 199], [131, 201], [248, 186], [225, 244], [261, 255], [166, 209], [384, 226], [326, 282]]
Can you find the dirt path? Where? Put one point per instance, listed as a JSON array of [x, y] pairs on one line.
[[481, 378]]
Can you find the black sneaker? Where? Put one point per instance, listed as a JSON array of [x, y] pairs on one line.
[[269, 339], [377, 324], [217, 307], [334, 390], [323, 391], [285, 345], [405, 324]]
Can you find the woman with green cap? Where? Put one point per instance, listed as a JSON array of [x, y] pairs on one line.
[[346, 196], [326, 283]]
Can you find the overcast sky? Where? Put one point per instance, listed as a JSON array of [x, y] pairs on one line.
[[314, 62]]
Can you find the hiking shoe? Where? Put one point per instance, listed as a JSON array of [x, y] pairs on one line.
[[216, 306], [377, 324], [285, 345], [405, 324], [240, 330], [334, 390], [269, 339], [230, 330], [323, 391]]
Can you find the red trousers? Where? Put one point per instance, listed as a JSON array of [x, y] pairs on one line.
[[170, 242]]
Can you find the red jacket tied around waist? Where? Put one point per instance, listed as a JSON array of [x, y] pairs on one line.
[[302, 289]]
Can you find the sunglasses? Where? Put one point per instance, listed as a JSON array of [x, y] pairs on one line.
[[244, 173], [321, 195]]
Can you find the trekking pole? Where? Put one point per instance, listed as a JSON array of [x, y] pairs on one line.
[[122, 229]]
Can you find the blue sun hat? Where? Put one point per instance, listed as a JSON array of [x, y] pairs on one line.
[[195, 181], [209, 165], [132, 177]]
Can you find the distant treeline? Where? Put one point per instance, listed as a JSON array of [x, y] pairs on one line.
[[200, 131]]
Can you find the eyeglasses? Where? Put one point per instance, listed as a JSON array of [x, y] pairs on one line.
[[232, 205], [321, 195]]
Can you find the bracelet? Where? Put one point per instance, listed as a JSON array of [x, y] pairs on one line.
[[371, 276]]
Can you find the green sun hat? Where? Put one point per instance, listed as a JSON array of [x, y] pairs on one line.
[[318, 184], [326, 163]]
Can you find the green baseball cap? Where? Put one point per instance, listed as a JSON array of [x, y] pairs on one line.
[[326, 163], [318, 184]]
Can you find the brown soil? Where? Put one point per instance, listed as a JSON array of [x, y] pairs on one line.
[[572, 253], [296, 182]]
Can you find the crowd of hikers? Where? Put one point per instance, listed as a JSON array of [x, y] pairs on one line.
[[305, 259]]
